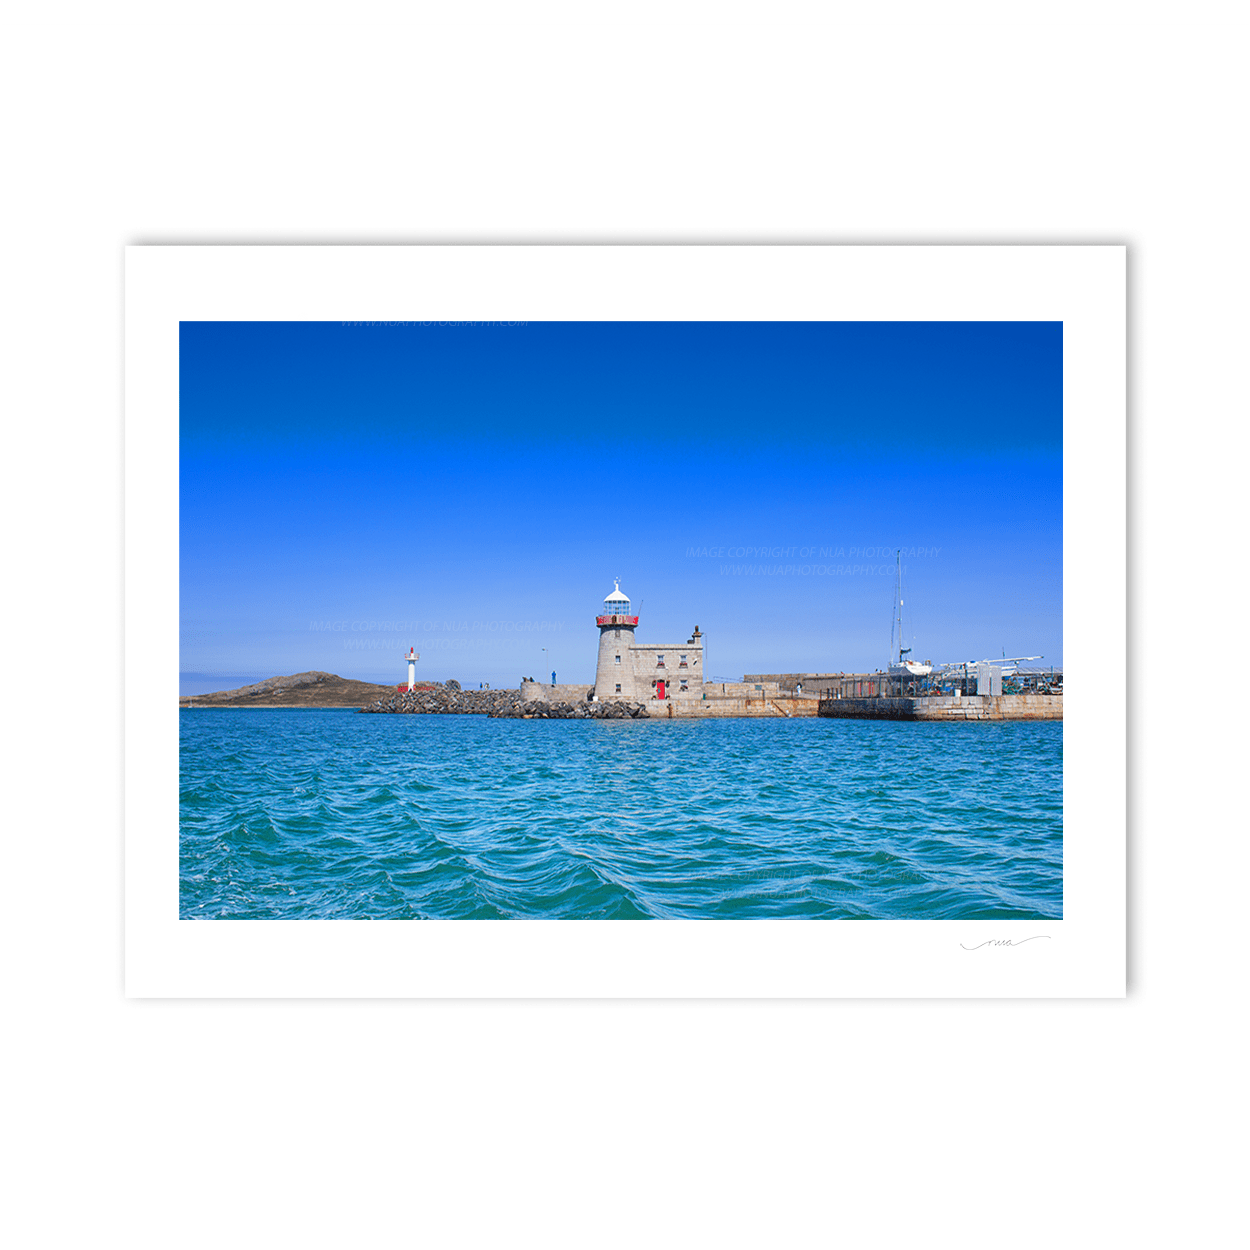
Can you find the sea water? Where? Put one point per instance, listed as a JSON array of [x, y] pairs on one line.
[[323, 814]]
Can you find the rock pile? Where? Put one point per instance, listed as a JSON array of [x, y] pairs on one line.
[[444, 699], [535, 709], [450, 699]]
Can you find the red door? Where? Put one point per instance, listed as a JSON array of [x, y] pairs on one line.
[[659, 690]]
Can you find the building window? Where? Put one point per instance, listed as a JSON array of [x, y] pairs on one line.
[[618, 659], [618, 687], [618, 635], [684, 684], [683, 663], [659, 661]]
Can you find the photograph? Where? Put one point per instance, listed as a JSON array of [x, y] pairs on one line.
[[611, 620]]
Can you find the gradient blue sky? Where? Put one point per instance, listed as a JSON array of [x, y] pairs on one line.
[[348, 490]]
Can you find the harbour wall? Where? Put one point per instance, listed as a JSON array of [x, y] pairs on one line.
[[730, 698], [562, 693], [777, 706], [812, 683], [727, 698], [948, 708], [748, 688]]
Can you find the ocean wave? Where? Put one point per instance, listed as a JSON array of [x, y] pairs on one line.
[[298, 814]]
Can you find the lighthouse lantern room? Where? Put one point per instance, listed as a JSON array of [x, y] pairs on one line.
[[616, 609]]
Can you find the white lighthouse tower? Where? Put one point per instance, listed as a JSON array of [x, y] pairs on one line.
[[614, 674], [412, 657]]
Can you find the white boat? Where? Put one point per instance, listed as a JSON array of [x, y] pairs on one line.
[[912, 668], [900, 665]]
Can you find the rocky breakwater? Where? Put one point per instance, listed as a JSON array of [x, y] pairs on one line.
[[448, 698], [534, 709], [443, 698]]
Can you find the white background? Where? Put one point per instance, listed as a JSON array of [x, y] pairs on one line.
[[899, 1124]]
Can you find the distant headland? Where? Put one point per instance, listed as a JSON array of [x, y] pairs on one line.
[[314, 689]]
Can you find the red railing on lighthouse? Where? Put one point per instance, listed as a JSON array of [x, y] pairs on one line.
[[616, 620]]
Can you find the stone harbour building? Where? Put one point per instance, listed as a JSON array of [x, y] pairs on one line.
[[641, 671]]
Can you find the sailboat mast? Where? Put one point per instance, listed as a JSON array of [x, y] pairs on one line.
[[893, 621], [898, 595]]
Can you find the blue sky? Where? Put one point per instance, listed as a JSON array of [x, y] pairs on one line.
[[348, 490]]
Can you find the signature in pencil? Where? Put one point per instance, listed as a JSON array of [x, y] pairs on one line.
[[1005, 942]]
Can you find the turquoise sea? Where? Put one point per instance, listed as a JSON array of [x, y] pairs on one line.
[[316, 814]]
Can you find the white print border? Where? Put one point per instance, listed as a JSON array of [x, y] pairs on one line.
[[1083, 287]]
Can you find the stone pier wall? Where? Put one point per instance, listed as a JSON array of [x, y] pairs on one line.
[[547, 693], [946, 708], [779, 707]]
